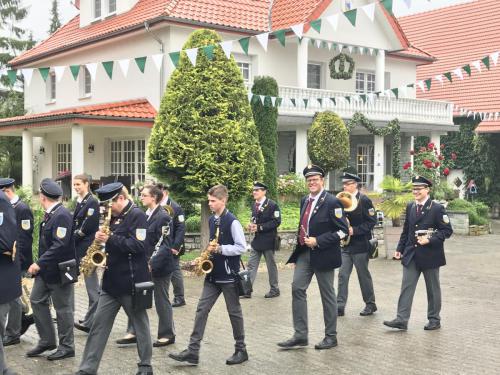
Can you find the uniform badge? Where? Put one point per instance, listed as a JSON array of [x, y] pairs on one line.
[[181, 218], [25, 224], [1, 218], [90, 212], [276, 214], [446, 219], [140, 234], [338, 213], [61, 232], [371, 211]]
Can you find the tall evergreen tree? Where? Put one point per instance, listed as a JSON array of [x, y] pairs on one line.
[[55, 23]]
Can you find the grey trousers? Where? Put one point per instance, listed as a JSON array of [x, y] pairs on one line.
[[107, 308], [62, 297], [209, 296], [360, 261], [272, 270], [4, 310], [302, 277], [163, 309], [178, 279], [92, 286], [411, 274], [15, 316]]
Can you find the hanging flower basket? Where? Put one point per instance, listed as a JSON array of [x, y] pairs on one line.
[[342, 58]]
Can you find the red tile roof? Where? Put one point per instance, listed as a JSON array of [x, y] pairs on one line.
[[139, 109], [287, 13], [456, 36]]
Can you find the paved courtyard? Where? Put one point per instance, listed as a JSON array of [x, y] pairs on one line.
[[468, 342]]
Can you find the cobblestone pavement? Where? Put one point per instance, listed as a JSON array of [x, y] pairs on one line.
[[468, 342]]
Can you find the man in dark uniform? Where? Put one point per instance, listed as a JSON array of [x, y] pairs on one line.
[[161, 259], [357, 252], [266, 218], [126, 265], [422, 248], [322, 226], [226, 246], [24, 244], [55, 246], [178, 249], [10, 271], [85, 225]]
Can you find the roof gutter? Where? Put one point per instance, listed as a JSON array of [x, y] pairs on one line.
[[74, 116]]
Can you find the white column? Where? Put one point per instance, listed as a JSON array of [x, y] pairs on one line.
[[147, 176], [436, 139], [27, 157], [412, 147], [77, 152], [302, 59], [379, 162], [301, 156], [380, 71]]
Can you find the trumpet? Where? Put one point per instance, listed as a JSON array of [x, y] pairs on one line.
[[203, 264], [350, 203]]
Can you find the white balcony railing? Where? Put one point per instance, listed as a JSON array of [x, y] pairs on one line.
[[380, 109]]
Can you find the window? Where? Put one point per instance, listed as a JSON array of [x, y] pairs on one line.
[[111, 6], [245, 71], [128, 159], [365, 167], [365, 82], [97, 9], [85, 82], [313, 76], [50, 87], [63, 160]]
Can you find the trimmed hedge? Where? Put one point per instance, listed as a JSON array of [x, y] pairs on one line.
[[478, 211]]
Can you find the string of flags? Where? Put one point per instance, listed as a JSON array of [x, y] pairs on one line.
[[483, 116]]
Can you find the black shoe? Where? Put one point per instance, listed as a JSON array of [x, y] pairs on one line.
[[185, 356], [398, 324], [368, 310], [61, 354], [431, 326], [326, 343], [238, 357], [293, 342], [340, 311], [178, 302], [81, 327], [272, 294], [80, 372], [249, 295], [127, 341], [8, 341], [39, 349], [145, 372], [168, 341]]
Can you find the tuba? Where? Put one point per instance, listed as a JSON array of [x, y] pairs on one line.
[[350, 203], [96, 255], [203, 264]]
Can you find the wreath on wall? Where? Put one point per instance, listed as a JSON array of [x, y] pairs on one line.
[[342, 58]]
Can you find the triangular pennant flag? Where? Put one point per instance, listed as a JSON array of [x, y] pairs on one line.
[[262, 99], [59, 71], [448, 76], [349, 48], [494, 57], [408, 3], [371, 97], [108, 67], [92, 68], [387, 5], [75, 70], [273, 101], [318, 43], [439, 77], [12, 74], [363, 98], [293, 102], [192, 53], [333, 20], [124, 64], [141, 63], [280, 34], [279, 101], [477, 65], [329, 44], [370, 11], [371, 51], [157, 60], [467, 69], [209, 51], [333, 101], [361, 50], [263, 39], [458, 73], [298, 29], [250, 97], [341, 47], [244, 43], [396, 92], [44, 72], [410, 85], [486, 62], [305, 102], [428, 83], [320, 101], [351, 16], [175, 57], [316, 25], [348, 98], [227, 47], [27, 74]]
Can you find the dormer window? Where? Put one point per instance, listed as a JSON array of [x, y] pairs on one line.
[[111, 6], [97, 5]]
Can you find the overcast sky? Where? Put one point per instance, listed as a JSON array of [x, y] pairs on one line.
[[39, 12]]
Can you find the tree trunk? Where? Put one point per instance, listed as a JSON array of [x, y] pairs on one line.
[[204, 230]]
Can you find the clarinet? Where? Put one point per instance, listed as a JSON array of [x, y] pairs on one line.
[[164, 234]]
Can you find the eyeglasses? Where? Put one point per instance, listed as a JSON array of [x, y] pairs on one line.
[[418, 189], [145, 195], [311, 180]]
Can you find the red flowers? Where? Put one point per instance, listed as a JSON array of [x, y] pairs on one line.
[[406, 166], [430, 146], [428, 163], [446, 171], [441, 157]]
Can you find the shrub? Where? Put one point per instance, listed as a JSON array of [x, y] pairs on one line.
[[291, 186], [193, 224], [478, 211]]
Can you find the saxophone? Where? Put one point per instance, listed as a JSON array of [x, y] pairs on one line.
[[96, 255], [203, 264]]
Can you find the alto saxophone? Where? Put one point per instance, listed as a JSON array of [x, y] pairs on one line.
[[203, 264], [96, 255]]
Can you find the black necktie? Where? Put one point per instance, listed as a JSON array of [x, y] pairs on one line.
[[46, 216], [419, 209]]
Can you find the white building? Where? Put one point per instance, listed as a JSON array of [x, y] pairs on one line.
[[101, 126]]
